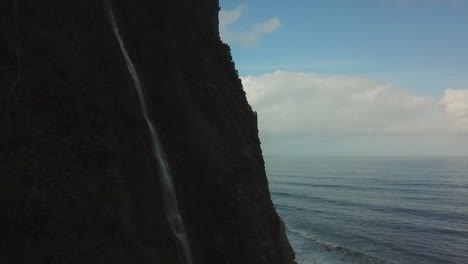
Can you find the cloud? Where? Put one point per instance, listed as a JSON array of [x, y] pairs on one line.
[[229, 17], [456, 108], [311, 104], [247, 38]]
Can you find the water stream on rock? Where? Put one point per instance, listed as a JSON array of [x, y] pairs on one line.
[[167, 186]]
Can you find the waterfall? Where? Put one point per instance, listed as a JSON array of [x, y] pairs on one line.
[[167, 186]]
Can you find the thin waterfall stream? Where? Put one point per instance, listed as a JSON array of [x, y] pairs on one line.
[[167, 185]]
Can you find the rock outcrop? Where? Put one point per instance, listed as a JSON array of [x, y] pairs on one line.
[[77, 181]]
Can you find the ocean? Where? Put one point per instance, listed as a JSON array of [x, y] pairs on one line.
[[402, 210]]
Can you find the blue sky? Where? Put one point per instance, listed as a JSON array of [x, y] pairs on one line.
[[414, 51]]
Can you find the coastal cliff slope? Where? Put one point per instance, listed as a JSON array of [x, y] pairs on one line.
[[77, 180]]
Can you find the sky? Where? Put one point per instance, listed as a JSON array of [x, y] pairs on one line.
[[363, 77]]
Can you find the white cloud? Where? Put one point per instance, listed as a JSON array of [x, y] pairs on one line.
[[248, 37], [456, 108], [228, 17], [310, 104]]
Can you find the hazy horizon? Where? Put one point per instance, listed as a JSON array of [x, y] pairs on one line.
[[371, 77]]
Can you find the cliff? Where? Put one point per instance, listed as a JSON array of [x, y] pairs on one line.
[[78, 184]]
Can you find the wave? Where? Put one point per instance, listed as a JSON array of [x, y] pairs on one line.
[[388, 186], [445, 215], [352, 256]]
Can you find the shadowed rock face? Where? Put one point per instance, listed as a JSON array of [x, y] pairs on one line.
[[77, 180]]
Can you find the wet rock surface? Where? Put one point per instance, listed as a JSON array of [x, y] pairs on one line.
[[78, 184]]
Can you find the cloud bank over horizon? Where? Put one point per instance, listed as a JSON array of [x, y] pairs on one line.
[[379, 77], [291, 104]]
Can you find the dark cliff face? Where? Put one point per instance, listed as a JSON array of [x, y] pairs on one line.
[[77, 181]]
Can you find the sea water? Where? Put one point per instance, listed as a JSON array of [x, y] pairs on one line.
[[373, 209]]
